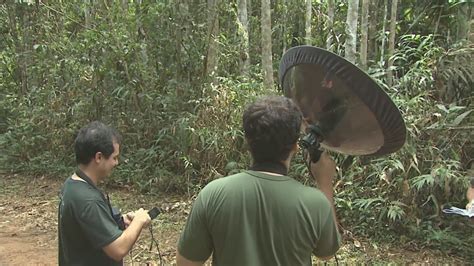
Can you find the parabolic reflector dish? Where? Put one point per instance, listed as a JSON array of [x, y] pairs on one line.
[[354, 114]]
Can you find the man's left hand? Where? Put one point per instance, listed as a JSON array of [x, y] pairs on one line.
[[128, 218]]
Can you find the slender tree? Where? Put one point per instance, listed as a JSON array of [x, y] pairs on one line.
[[267, 45], [391, 41], [124, 5], [372, 46], [463, 24], [183, 14], [364, 29], [351, 31], [307, 19], [382, 48], [330, 24], [243, 23], [284, 26], [87, 13], [213, 35]]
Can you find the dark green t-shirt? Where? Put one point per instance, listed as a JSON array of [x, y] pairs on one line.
[[85, 225], [256, 219]]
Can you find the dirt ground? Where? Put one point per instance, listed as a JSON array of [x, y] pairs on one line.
[[28, 228]]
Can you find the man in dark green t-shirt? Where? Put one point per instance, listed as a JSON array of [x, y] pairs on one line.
[[87, 231], [262, 216]]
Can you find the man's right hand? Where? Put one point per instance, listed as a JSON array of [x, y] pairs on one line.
[[324, 170], [120, 247], [142, 216]]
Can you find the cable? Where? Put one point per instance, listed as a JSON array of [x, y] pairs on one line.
[[153, 240]]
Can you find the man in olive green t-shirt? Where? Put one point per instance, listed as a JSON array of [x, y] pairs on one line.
[[87, 231], [262, 216]]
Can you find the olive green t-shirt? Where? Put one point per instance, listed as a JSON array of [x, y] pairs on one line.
[[253, 218], [85, 225]]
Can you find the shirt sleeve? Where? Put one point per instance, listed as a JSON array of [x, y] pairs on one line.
[[195, 243], [97, 224]]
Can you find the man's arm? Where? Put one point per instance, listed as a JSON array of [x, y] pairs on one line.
[[323, 172], [120, 247], [182, 261], [195, 243]]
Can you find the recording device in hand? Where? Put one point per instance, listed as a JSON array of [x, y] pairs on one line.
[[117, 215], [154, 212], [311, 142]]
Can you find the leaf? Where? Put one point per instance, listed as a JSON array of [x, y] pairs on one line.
[[442, 108], [423, 180], [357, 243], [398, 165], [460, 118]]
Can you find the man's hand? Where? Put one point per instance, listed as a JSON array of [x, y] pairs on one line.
[[119, 248], [324, 170], [128, 218], [142, 216], [470, 198]]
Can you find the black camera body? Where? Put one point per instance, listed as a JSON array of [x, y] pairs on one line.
[[118, 217], [154, 212], [311, 142]]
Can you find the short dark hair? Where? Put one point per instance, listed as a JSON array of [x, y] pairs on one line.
[[271, 126], [92, 138]]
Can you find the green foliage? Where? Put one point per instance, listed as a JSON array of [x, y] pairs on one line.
[[179, 131], [141, 69]]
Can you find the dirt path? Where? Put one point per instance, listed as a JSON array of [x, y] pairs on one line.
[[26, 247], [28, 228], [27, 219]]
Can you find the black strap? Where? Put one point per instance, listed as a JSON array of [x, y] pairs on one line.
[[272, 167], [105, 197], [83, 176]]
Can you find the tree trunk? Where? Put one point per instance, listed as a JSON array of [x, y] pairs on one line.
[[87, 13], [267, 63], [364, 33], [125, 5], [372, 46], [330, 24], [213, 37], [470, 36], [283, 26], [244, 35], [20, 73], [351, 31], [181, 13], [463, 22], [391, 41], [307, 19], [382, 49]]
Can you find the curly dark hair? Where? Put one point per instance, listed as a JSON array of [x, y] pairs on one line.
[[92, 138], [271, 126]]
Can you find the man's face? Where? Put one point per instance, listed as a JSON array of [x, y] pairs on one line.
[[107, 164]]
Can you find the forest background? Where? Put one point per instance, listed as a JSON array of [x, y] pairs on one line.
[[174, 76]]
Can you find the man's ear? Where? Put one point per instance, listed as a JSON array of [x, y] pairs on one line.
[[98, 157]]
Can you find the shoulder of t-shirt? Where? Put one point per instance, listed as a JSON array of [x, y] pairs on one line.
[[221, 185], [83, 191], [216, 183], [314, 196]]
